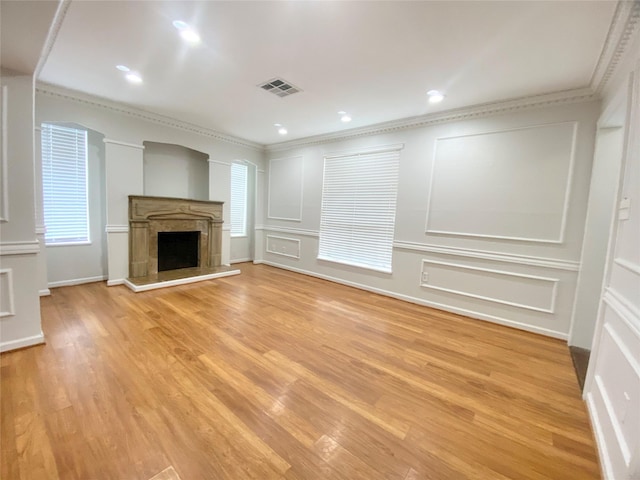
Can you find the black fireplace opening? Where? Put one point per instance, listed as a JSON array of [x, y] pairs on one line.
[[178, 250]]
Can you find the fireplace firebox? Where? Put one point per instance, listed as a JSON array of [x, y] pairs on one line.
[[177, 250]]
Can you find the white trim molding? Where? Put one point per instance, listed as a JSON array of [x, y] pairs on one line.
[[123, 144], [623, 26], [45, 292], [41, 229], [124, 109], [565, 97], [553, 293], [115, 282], [22, 343], [292, 230], [116, 229], [9, 302], [20, 248], [487, 255], [52, 35]]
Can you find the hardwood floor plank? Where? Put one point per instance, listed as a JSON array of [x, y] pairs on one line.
[[275, 375]]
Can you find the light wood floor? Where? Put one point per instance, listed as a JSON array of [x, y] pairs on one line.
[[275, 375]]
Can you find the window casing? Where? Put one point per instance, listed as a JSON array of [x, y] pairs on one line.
[[239, 175], [359, 207], [64, 185]]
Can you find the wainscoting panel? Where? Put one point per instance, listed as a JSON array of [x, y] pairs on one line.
[[510, 184], [283, 246], [526, 291], [285, 188], [7, 300], [614, 396]]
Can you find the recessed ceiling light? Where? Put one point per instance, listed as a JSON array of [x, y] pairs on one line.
[[435, 96], [342, 112], [123, 68], [277, 124], [186, 32], [282, 131], [345, 118], [134, 77], [190, 35]]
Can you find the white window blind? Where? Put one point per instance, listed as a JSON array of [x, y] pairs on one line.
[[359, 209], [238, 200], [64, 184]]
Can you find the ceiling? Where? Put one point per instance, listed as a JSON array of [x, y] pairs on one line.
[[374, 60]]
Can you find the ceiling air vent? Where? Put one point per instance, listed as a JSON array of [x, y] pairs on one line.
[[279, 87]]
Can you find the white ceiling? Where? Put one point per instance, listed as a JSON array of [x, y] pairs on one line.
[[375, 60]]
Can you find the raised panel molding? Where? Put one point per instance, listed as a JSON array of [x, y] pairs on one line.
[[4, 182], [292, 230], [445, 206], [278, 184], [7, 301], [284, 246], [528, 285]]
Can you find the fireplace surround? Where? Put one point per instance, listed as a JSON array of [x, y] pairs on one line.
[[148, 216]]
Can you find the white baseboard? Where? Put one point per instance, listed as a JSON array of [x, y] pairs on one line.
[[241, 260], [45, 292], [117, 281], [77, 281], [22, 343], [426, 303]]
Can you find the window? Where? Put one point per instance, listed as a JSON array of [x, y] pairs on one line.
[[358, 213], [64, 184], [238, 200]]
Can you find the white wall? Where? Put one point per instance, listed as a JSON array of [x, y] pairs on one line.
[[612, 387], [175, 171], [124, 160], [531, 192], [19, 298], [73, 264]]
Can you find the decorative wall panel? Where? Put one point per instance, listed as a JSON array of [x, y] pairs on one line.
[[287, 247], [285, 188], [530, 292], [510, 184]]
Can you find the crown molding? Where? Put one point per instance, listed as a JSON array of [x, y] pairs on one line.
[[564, 97], [122, 108], [52, 35], [624, 25]]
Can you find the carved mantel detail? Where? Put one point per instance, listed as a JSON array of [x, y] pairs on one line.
[[150, 215]]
